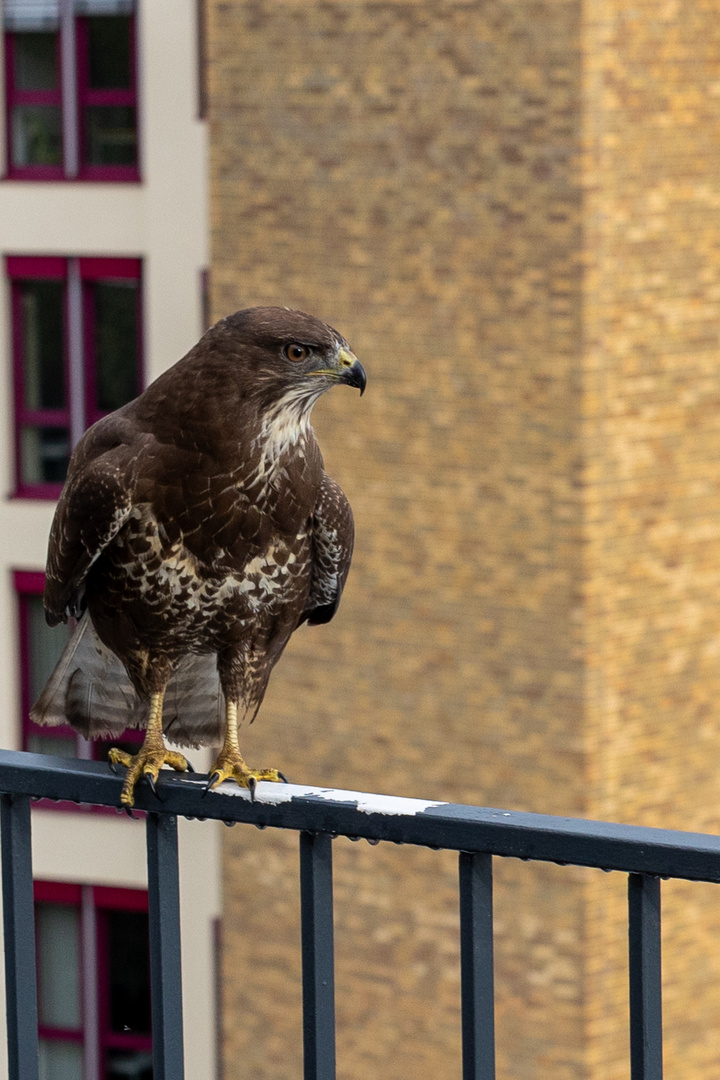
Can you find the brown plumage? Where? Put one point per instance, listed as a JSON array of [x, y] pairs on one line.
[[198, 529]]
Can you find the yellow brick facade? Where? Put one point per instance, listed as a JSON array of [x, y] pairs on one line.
[[510, 209]]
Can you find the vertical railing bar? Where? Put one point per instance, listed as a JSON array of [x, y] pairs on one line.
[[19, 930], [318, 965], [646, 1052], [165, 957], [476, 966]]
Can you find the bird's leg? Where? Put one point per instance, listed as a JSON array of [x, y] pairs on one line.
[[229, 762], [151, 756]]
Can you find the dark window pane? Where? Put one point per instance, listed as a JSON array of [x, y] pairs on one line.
[[41, 304], [45, 644], [109, 47], [111, 135], [36, 135], [44, 455], [129, 972], [116, 330], [35, 58]]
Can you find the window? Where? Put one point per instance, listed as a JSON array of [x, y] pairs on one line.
[[40, 649], [76, 327], [71, 89], [93, 982]]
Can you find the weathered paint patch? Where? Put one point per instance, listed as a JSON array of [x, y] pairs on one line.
[[270, 794]]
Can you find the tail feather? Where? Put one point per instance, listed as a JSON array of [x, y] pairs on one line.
[[90, 690]]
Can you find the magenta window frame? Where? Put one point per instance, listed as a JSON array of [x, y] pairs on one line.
[[92, 269], [87, 96], [104, 900], [20, 269], [102, 270], [15, 96]]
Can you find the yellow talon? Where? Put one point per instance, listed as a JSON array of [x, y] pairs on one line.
[[230, 764], [150, 758]]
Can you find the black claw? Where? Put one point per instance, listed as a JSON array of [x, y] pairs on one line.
[[113, 768], [189, 767], [151, 781], [283, 777], [252, 784], [128, 811], [214, 777]]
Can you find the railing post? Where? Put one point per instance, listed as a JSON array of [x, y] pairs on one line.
[[476, 966], [165, 967], [645, 977], [19, 929], [316, 904]]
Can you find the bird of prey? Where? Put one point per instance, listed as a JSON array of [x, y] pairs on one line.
[[197, 529]]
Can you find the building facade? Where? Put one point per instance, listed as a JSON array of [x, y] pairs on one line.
[[103, 251], [510, 209]]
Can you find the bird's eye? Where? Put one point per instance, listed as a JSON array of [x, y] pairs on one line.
[[296, 352]]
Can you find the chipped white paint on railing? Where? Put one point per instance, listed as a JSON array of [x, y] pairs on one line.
[[270, 794]]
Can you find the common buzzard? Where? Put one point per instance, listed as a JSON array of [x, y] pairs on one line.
[[196, 531]]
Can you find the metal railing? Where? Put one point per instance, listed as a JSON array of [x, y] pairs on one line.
[[319, 814]]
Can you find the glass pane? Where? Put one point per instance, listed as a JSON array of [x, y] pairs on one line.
[[111, 135], [129, 972], [36, 135], [43, 352], [44, 455], [60, 1060], [133, 1065], [109, 48], [45, 644], [52, 744], [58, 934], [116, 331], [35, 58]]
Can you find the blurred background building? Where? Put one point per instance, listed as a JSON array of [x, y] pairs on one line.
[[103, 245], [510, 209]]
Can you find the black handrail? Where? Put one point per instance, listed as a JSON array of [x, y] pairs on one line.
[[319, 814]]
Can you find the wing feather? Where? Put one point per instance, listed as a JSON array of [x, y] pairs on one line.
[[333, 535], [94, 505]]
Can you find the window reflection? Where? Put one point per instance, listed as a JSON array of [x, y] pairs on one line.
[[60, 1060], [42, 344], [36, 135], [44, 454], [58, 935], [111, 135]]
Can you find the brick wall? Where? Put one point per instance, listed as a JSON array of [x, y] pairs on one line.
[[510, 211], [651, 444]]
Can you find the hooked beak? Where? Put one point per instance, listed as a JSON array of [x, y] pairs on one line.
[[352, 372]]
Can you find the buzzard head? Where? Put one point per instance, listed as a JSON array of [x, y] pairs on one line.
[[287, 359]]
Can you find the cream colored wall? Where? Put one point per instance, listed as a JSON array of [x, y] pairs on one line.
[[163, 220]]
